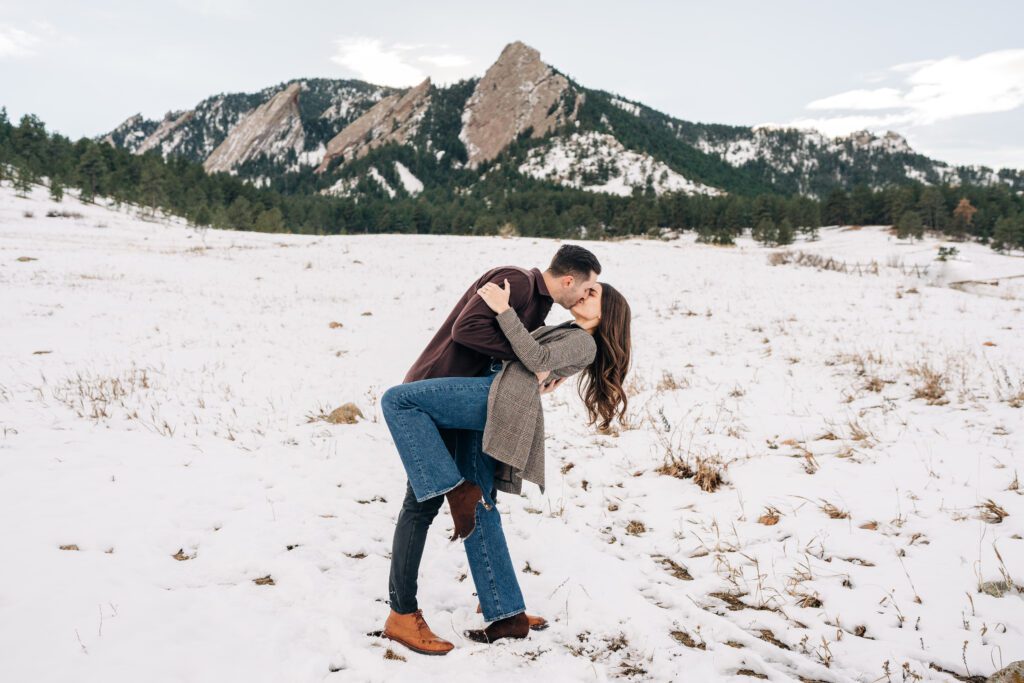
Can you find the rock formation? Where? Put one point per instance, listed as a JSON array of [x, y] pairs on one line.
[[519, 91], [393, 119], [273, 126], [165, 130]]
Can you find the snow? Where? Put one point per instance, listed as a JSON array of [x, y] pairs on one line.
[[410, 182], [633, 109], [380, 180], [310, 157], [915, 174], [156, 387], [565, 160]]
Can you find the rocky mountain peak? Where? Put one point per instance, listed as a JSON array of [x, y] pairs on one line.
[[273, 126], [517, 93], [393, 119]]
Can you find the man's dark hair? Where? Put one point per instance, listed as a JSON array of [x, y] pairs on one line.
[[575, 261]]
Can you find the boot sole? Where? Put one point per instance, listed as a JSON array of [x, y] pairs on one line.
[[415, 649]]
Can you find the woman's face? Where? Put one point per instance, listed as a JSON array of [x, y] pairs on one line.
[[590, 307]]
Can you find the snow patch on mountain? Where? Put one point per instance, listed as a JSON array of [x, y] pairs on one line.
[[410, 182], [633, 109], [597, 162]]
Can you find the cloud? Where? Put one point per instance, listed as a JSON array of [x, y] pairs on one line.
[[15, 43], [931, 91], [399, 64]]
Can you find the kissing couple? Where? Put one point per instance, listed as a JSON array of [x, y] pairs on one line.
[[468, 422]]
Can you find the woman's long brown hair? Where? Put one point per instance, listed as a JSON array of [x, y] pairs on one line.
[[601, 384]]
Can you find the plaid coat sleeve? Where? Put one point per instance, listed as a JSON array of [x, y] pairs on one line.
[[569, 351]]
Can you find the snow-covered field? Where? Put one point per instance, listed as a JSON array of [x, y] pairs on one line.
[[160, 453]]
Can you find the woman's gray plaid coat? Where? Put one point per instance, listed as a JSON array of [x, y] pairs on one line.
[[514, 432]]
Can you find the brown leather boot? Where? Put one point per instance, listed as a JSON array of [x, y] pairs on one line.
[[462, 502], [412, 631], [516, 626], [536, 623]]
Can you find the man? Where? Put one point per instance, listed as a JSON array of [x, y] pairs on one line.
[[465, 346]]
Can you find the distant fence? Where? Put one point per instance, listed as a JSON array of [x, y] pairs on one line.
[[810, 260]]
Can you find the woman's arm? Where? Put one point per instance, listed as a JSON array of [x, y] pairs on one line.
[[571, 351], [569, 354]]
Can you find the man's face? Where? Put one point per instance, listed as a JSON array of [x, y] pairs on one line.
[[575, 290]]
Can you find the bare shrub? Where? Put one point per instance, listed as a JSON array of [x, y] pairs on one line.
[[932, 387], [708, 475], [833, 511], [991, 512]]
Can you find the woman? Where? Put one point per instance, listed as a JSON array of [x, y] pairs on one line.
[[505, 405]]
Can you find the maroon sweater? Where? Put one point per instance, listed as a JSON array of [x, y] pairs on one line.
[[470, 337]]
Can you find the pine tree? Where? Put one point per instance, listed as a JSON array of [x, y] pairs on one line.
[[933, 208], [91, 169], [270, 220], [239, 214], [151, 187], [56, 190], [1008, 233], [785, 233], [837, 208], [23, 180], [765, 232], [910, 226]]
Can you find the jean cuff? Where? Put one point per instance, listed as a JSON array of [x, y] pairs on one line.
[[506, 615], [420, 499]]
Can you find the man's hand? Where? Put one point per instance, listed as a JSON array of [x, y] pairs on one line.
[[548, 388], [542, 375], [496, 297]]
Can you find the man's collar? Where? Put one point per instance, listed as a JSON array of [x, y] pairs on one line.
[[542, 286]]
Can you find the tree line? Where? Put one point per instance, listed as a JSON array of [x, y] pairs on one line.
[[500, 201]]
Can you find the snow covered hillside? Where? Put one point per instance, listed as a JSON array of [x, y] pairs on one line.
[[597, 162], [819, 481]]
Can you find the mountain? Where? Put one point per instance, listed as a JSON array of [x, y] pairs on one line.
[[523, 121]]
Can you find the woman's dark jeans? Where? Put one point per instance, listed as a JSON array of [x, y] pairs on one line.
[[416, 412]]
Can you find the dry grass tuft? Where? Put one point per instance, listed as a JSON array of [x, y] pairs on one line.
[[70, 546], [670, 382], [808, 600], [991, 512], [181, 556], [674, 568], [932, 387], [770, 517], [675, 467], [833, 511], [708, 475], [684, 638], [335, 325], [391, 654], [767, 636], [636, 527], [264, 581], [874, 383], [347, 414]]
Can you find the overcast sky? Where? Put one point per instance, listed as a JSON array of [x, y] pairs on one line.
[[947, 75]]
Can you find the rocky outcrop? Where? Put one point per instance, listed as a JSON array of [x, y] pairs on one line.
[[270, 128], [166, 129], [1011, 674], [393, 119], [518, 92]]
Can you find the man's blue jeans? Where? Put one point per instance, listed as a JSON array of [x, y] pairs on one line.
[[414, 413]]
